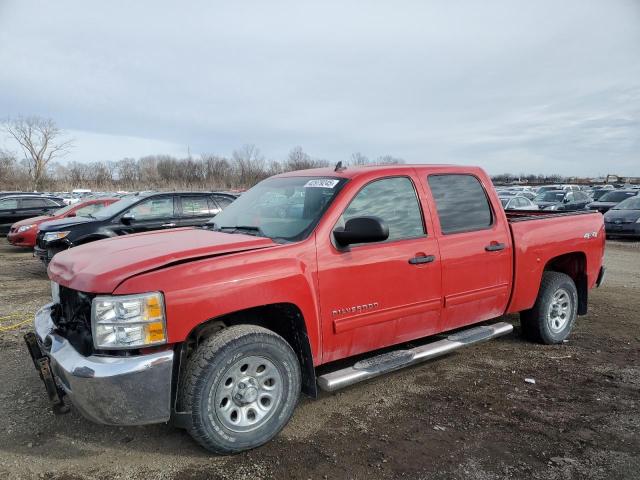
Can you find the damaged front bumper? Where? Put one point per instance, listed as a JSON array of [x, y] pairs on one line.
[[133, 390]]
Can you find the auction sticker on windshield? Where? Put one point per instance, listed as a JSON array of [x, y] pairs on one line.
[[321, 183]]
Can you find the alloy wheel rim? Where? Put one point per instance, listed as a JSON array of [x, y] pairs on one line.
[[559, 311]]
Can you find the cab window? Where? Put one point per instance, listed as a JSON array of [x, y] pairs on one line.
[[153, 208], [461, 203], [394, 200]]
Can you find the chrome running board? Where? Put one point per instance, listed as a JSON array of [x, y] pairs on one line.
[[397, 359]]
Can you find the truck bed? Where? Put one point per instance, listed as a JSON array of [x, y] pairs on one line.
[[540, 237]]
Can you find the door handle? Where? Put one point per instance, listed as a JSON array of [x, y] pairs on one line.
[[495, 247], [168, 224], [422, 259]]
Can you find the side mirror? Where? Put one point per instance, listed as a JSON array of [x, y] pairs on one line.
[[361, 230], [72, 214], [128, 218]]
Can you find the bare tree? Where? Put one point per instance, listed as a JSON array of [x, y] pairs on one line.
[[39, 139], [250, 165], [389, 160], [359, 159]]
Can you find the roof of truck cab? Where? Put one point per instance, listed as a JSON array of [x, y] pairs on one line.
[[367, 170]]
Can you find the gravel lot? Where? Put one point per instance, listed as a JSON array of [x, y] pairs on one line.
[[466, 416]]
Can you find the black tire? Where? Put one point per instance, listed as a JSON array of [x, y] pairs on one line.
[[540, 324], [210, 368]]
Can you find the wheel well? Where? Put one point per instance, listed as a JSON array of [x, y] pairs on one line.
[[575, 265], [285, 319]]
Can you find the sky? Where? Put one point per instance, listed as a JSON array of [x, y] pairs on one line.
[[511, 86]]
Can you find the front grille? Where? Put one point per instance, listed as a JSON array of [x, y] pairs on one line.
[[72, 318], [40, 240]]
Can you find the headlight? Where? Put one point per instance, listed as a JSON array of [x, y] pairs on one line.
[[128, 321], [50, 236], [24, 228]]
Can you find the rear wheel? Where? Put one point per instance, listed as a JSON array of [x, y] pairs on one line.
[[241, 387], [552, 317]]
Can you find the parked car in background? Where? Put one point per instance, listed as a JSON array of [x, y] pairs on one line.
[[517, 203], [14, 208], [597, 193], [611, 199], [562, 200], [624, 219], [23, 233], [137, 213]]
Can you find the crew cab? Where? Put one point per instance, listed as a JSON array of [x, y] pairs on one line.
[[141, 212], [220, 330]]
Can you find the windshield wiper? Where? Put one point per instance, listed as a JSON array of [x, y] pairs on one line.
[[248, 229]]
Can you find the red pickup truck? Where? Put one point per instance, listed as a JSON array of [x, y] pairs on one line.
[[220, 329]]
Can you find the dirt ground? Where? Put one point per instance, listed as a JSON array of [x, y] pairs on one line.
[[466, 416]]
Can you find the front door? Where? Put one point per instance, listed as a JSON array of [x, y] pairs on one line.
[[377, 294], [475, 249], [154, 213]]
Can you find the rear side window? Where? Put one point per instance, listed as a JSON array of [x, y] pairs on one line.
[[196, 206], [32, 203], [461, 203], [223, 201], [8, 203], [394, 200]]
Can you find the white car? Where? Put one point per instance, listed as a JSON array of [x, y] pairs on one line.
[[517, 203]]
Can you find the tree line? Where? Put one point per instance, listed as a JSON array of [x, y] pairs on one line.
[[42, 145]]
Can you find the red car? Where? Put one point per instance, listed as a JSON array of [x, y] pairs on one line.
[[23, 233], [220, 330]]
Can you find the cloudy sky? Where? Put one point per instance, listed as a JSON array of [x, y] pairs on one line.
[[519, 86]]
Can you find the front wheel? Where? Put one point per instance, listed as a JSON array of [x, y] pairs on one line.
[[552, 317], [241, 387]]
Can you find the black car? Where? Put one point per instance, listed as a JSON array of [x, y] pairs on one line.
[[137, 213], [597, 193], [562, 200], [14, 208], [611, 199], [624, 219]]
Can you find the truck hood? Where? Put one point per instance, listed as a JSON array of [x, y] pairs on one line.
[[61, 223], [99, 267]]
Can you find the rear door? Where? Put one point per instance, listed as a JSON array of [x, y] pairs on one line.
[[376, 294], [196, 210], [475, 250], [33, 207]]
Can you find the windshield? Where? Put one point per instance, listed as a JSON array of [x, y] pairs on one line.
[[116, 207], [632, 203], [616, 196], [282, 208], [63, 210], [549, 197]]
